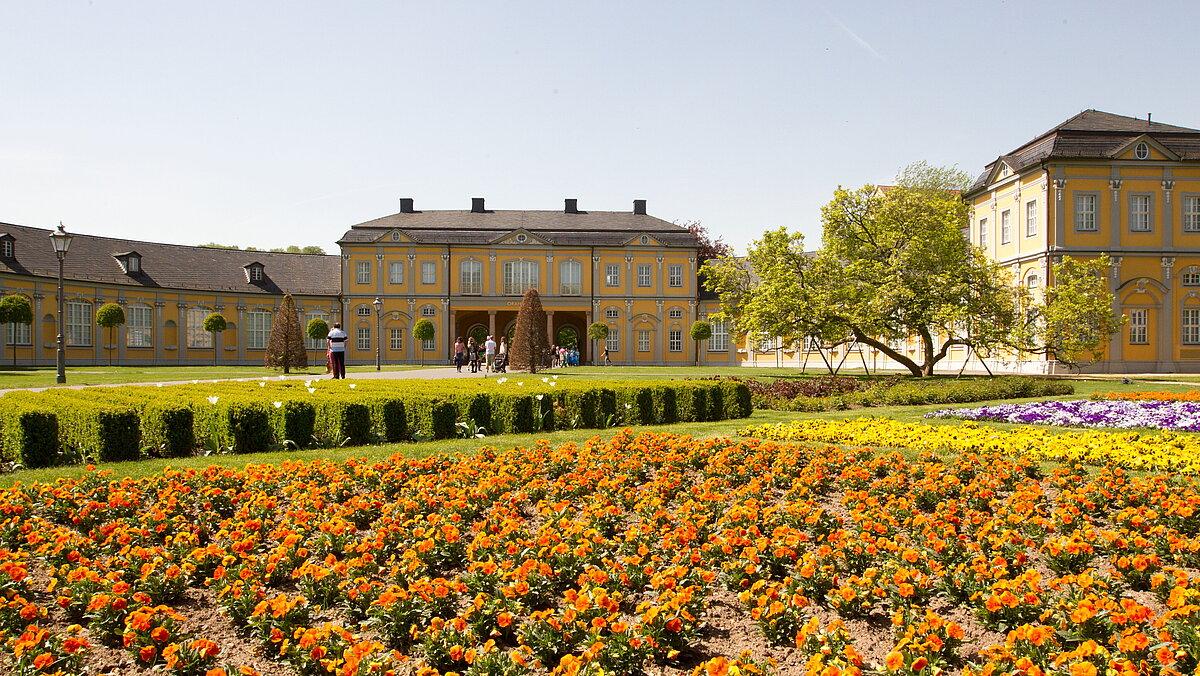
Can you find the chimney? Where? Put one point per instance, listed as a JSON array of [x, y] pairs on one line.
[[406, 205], [1148, 116], [639, 207], [571, 206], [477, 205]]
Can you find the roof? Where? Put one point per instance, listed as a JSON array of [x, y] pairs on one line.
[[587, 228], [1094, 134], [172, 266]]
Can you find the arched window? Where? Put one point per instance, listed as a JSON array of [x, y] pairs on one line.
[[139, 325], [197, 337], [314, 343], [1033, 281], [612, 313], [471, 276], [520, 276], [428, 311], [570, 278]]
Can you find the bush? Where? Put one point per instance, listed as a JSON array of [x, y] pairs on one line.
[[29, 436], [913, 392], [168, 427], [246, 427]]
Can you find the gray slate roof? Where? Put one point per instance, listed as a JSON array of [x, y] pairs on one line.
[[1094, 134], [172, 266], [590, 228]]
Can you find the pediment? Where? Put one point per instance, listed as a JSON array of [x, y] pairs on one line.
[[1156, 150], [1002, 169], [395, 235], [520, 237], [643, 239]]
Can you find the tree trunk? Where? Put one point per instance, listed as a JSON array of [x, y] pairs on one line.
[[912, 366], [110, 344]]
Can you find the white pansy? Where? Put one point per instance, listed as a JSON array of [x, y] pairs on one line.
[[539, 397], [277, 404], [353, 385], [213, 399], [311, 390], [501, 381]]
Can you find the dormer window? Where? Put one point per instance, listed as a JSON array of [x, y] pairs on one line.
[[130, 262], [254, 273], [8, 248], [135, 264]]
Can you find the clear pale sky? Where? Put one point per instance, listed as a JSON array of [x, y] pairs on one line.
[[271, 123]]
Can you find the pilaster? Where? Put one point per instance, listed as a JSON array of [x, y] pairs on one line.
[[1114, 186], [1060, 208], [1116, 344], [1166, 319], [1168, 210]]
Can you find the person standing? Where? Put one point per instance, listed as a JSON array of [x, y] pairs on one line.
[[337, 350], [489, 354], [605, 355], [503, 349], [459, 348]]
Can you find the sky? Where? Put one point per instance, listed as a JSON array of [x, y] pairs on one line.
[[273, 123]]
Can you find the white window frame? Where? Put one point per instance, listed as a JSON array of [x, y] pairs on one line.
[[79, 323], [1139, 326], [570, 278], [1033, 281], [362, 272], [1190, 277], [645, 275], [612, 274], [139, 326], [396, 339], [428, 272], [612, 313], [675, 313], [256, 273], [675, 275], [983, 232], [6, 248], [133, 264], [719, 340], [520, 276], [258, 329], [674, 340], [1191, 213], [428, 311], [1190, 326], [643, 340], [613, 342], [1141, 212], [429, 343], [1006, 226], [470, 277], [362, 311], [314, 343], [19, 334], [1031, 219], [1087, 206], [362, 338], [396, 272]]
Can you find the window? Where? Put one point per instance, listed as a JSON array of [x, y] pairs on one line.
[[470, 275], [19, 334], [719, 340], [395, 236], [675, 340], [396, 341], [675, 313], [644, 240], [1191, 213], [522, 238], [1085, 213], [256, 273], [6, 248], [314, 343], [1191, 277], [428, 311], [1005, 226], [1191, 326], [570, 278], [675, 275], [363, 310], [427, 344], [138, 325], [258, 329], [1031, 219], [1032, 282], [613, 342], [196, 335], [363, 272], [611, 313], [643, 275], [1138, 325], [363, 338], [428, 272], [520, 276], [643, 340], [134, 264], [396, 272], [766, 343], [983, 232], [1139, 213], [612, 275], [1141, 151]]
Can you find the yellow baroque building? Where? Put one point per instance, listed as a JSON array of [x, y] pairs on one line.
[[464, 270]]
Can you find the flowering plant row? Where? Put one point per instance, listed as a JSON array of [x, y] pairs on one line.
[[1186, 395], [1155, 452], [1182, 416], [38, 429], [642, 553]]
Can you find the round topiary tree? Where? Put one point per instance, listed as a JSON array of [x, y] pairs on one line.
[[285, 346], [598, 332], [110, 316], [701, 331], [422, 331], [215, 323], [529, 338], [317, 329], [15, 309]]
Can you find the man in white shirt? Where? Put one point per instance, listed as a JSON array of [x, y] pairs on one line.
[[489, 353], [337, 349]]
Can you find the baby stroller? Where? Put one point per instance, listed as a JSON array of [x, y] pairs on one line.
[[501, 363]]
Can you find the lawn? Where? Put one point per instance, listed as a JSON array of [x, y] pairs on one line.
[[11, 377]]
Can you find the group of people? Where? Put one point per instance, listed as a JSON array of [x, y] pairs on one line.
[[486, 357], [561, 356]]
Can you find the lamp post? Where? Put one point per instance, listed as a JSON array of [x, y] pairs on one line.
[[378, 303], [61, 241]]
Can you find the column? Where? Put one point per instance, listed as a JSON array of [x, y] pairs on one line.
[[689, 345], [219, 340], [447, 339], [595, 280], [491, 322], [1114, 185], [1060, 208], [549, 275], [658, 339], [453, 327], [492, 290], [659, 280], [121, 331], [1116, 343], [1168, 219], [36, 335], [99, 334], [691, 281], [379, 273], [550, 326], [159, 331], [628, 328], [1166, 320], [241, 329], [180, 331], [628, 275], [412, 267], [410, 347]]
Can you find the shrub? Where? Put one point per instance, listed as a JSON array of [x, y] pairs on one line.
[[246, 427], [28, 436], [168, 427]]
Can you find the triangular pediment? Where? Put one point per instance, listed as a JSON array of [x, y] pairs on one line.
[[1153, 149], [520, 237], [1001, 169], [643, 239], [394, 235]]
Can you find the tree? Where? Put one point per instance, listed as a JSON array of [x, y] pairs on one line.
[[701, 331], [597, 332], [110, 316], [709, 247], [895, 265], [215, 323], [529, 339], [285, 346], [291, 248], [317, 329], [1076, 317], [422, 331], [15, 309]]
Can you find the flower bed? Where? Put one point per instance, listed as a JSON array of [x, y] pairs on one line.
[[1156, 452], [649, 553], [1180, 416], [1188, 395], [829, 393], [44, 428]]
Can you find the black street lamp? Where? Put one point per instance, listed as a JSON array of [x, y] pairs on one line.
[[378, 303], [61, 242]]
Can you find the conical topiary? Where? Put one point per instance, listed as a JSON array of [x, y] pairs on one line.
[[285, 347], [530, 344]]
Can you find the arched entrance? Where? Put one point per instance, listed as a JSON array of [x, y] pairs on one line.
[[567, 336], [478, 332]]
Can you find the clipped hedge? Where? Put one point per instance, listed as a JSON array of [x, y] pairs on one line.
[[916, 392]]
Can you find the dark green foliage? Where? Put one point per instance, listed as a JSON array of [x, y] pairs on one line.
[[167, 427], [908, 392], [295, 421], [247, 427], [29, 436]]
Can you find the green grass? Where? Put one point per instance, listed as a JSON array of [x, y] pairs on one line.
[[115, 375]]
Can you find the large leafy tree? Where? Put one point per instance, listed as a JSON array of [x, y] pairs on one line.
[[285, 345], [895, 265]]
